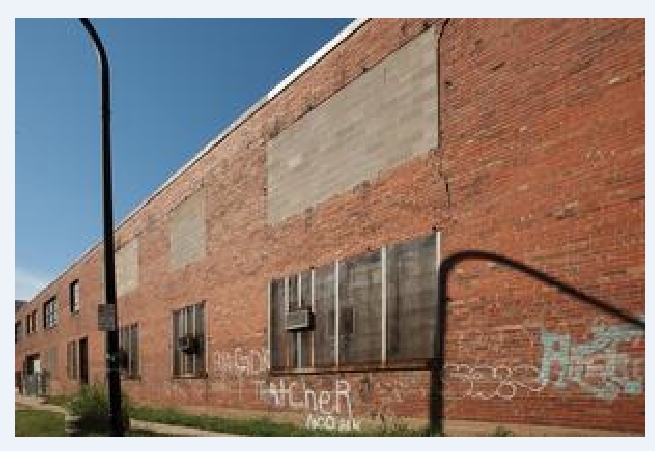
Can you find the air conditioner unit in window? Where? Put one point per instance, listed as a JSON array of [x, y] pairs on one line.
[[187, 344], [300, 319]]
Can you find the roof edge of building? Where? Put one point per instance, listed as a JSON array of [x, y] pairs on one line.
[[243, 117]]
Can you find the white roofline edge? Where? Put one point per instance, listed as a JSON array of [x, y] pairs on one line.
[[277, 89]]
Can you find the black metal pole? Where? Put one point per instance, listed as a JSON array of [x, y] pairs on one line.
[[113, 371]]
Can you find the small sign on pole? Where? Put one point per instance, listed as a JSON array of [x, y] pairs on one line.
[[106, 317]]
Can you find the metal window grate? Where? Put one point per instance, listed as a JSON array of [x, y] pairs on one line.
[[360, 309], [279, 349], [324, 316], [382, 305], [411, 292]]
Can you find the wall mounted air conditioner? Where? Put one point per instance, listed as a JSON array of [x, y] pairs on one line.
[[300, 319]]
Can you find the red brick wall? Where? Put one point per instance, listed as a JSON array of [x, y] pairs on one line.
[[541, 160]]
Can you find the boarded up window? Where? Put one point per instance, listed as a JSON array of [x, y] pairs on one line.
[[187, 231], [360, 309], [127, 268], [385, 116], [411, 299]]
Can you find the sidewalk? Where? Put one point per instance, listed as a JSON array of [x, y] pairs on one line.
[[34, 402]]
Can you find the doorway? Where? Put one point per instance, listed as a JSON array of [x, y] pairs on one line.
[[84, 360]]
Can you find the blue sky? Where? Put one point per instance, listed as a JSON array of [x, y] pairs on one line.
[[176, 84]]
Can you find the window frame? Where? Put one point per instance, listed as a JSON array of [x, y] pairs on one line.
[[128, 333], [74, 297], [50, 319], [31, 320], [18, 331], [72, 357], [383, 362], [199, 356]]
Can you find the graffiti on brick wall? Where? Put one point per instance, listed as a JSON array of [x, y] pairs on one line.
[[378, 399], [329, 409], [238, 364], [595, 365], [490, 381]]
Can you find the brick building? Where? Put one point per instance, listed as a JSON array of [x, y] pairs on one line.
[[292, 267]]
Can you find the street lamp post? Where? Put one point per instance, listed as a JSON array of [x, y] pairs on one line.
[[113, 370]]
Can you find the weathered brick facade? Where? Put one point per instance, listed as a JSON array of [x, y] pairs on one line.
[[539, 158]]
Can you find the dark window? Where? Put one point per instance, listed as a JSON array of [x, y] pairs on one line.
[[411, 299], [129, 350], [324, 315], [279, 336], [305, 338], [50, 313], [30, 322], [19, 331], [71, 359], [384, 310], [360, 309], [74, 292], [189, 341], [50, 361], [300, 296]]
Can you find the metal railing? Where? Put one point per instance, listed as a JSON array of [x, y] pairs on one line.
[[35, 384]]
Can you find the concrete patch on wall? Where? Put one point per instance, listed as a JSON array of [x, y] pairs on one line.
[[385, 116], [188, 231], [127, 267]]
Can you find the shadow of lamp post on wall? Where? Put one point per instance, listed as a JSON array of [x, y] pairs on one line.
[[113, 371], [437, 372]]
